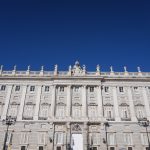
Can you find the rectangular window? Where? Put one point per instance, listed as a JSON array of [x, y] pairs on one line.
[[13, 110], [46, 88], [76, 111], [61, 89], [59, 138], [24, 138], [32, 88], [41, 148], [128, 138], [41, 138], [111, 138], [76, 89], [106, 88], [135, 88], [58, 148], [129, 148], [23, 148], [91, 89], [44, 111], [60, 111], [144, 138], [17, 88], [29, 111], [112, 148], [121, 89], [94, 148], [3, 87]]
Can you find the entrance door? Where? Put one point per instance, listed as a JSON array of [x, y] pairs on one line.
[[77, 141]]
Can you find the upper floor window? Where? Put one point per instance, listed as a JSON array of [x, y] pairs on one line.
[[106, 89], [111, 138], [121, 89], [149, 88], [91, 89], [59, 137], [76, 89], [136, 89], [61, 89], [32, 88], [46, 88], [3, 87], [128, 138], [17, 88]]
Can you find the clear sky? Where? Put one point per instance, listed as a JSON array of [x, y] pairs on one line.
[[48, 32]]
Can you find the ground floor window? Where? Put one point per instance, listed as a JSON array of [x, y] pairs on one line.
[[112, 148], [58, 148], [41, 148], [23, 148], [94, 148]]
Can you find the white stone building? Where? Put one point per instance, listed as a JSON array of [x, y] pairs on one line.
[[56, 110]]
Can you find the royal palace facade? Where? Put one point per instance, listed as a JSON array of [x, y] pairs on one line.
[[75, 109]]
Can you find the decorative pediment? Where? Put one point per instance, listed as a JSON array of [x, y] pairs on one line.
[[76, 127], [77, 104], [45, 103], [15, 103], [92, 104], [77, 70], [108, 104], [139, 104], [124, 104], [30, 103], [61, 104]]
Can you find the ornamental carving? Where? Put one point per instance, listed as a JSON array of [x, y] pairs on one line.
[[76, 127]]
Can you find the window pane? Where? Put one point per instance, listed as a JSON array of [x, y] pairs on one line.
[[32, 88], [23, 147], [58, 148], [3, 87], [112, 148], [129, 148], [41, 148], [17, 88]]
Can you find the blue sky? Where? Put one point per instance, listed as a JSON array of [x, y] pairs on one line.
[[94, 32]]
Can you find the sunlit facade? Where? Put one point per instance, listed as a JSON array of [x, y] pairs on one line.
[[60, 110]]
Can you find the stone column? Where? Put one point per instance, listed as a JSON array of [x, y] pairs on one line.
[[8, 95], [37, 106], [68, 101], [85, 137], [20, 113], [84, 103], [116, 106], [99, 102], [50, 144], [68, 134], [132, 110], [146, 103], [53, 101]]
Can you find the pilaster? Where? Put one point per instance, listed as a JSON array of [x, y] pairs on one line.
[[85, 136], [9, 90], [146, 102], [99, 102], [131, 105], [38, 98], [68, 101], [53, 101], [116, 108], [84, 103], [24, 90]]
